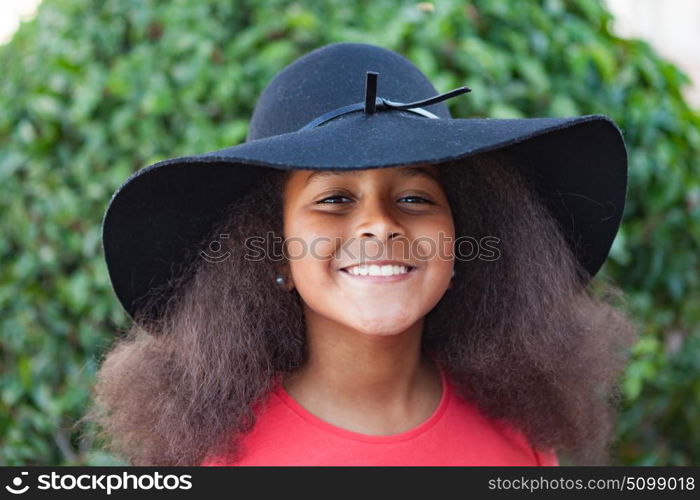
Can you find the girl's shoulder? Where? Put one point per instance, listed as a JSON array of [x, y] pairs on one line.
[[468, 419], [458, 433]]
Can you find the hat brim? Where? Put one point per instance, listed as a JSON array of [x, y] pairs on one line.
[[161, 211]]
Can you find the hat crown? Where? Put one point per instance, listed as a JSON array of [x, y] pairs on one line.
[[333, 76]]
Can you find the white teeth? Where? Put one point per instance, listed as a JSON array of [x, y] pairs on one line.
[[374, 270]]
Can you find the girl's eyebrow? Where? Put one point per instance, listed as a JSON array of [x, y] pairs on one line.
[[406, 172]]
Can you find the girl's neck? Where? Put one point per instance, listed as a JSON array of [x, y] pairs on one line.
[[374, 384]]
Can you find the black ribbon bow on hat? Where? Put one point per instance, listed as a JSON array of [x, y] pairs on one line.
[[373, 103]]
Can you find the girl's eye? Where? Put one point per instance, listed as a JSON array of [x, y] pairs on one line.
[[332, 198], [418, 198], [335, 197]]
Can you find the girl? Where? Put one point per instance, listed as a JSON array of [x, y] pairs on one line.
[[430, 312]]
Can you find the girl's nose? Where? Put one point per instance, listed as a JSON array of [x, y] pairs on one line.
[[378, 220]]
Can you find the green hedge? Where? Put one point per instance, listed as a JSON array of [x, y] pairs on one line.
[[92, 91]]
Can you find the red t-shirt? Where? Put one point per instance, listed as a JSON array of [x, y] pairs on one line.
[[285, 433]]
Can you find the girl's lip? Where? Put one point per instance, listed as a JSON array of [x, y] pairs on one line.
[[381, 279]]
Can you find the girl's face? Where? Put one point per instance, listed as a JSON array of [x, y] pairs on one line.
[[334, 220]]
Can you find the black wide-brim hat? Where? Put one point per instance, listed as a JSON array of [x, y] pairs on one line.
[[339, 107]]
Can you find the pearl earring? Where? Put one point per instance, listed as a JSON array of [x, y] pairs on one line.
[[453, 273], [280, 280]]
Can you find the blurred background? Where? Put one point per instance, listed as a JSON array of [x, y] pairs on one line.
[[92, 91]]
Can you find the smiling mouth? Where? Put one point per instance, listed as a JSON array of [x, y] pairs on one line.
[[379, 271]]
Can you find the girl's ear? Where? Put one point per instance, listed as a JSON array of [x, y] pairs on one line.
[[289, 282], [283, 278]]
